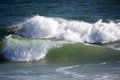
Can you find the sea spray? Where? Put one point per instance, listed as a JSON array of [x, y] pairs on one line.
[[70, 30]]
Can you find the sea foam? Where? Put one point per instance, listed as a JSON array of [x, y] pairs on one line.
[[70, 30]]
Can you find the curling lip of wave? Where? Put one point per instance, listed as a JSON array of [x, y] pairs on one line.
[[20, 49], [76, 31]]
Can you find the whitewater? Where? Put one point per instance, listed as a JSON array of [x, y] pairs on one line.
[[36, 36], [70, 30]]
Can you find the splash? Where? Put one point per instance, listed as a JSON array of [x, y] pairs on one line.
[[76, 31]]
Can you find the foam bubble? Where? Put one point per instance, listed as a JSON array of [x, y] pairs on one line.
[[76, 31]]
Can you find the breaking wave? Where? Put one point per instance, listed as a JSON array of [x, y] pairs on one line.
[[19, 49], [59, 40], [70, 30]]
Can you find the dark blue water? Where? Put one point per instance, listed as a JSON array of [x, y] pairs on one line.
[[15, 11]]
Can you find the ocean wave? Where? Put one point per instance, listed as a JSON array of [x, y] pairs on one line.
[[59, 40], [70, 30], [19, 49], [80, 53]]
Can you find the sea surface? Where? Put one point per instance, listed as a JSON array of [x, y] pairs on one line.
[[59, 40]]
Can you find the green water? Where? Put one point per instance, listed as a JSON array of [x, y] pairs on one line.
[[81, 53]]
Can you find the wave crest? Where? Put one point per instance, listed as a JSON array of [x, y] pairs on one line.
[[76, 31]]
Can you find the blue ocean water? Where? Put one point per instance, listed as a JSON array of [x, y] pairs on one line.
[[59, 39], [14, 11]]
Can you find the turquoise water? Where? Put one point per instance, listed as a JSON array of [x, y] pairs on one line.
[[59, 40]]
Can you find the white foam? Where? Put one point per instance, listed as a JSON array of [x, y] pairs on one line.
[[76, 31], [106, 77], [38, 27], [19, 49], [66, 71]]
